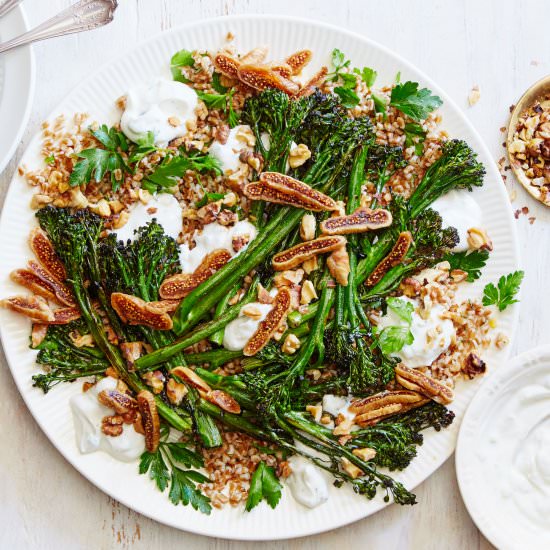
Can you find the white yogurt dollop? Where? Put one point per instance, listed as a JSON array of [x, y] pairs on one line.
[[213, 237], [240, 330], [228, 153], [167, 212], [459, 210], [425, 348], [162, 107], [307, 482], [87, 415]]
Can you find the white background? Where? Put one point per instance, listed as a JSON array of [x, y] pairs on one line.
[[500, 45]]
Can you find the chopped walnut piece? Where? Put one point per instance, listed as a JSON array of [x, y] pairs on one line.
[[478, 239], [307, 227], [112, 425], [351, 469], [316, 411], [365, 453], [175, 391], [291, 344], [473, 366], [308, 293], [299, 155], [338, 265]]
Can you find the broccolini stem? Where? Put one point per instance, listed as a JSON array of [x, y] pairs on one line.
[[204, 331]]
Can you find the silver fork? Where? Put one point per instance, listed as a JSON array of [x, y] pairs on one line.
[[82, 16]]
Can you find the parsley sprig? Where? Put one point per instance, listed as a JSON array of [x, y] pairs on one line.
[[413, 102], [504, 293], [415, 135], [346, 91], [393, 338], [264, 485], [223, 101], [164, 469], [166, 174], [181, 59], [95, 162], [471, 262]]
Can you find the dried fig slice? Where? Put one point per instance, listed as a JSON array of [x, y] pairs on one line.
[[120, 402], [27, 279], [298, 60], [178, 286], [227, 65], [192, 378], [224, 401], [288, 259], [150, 419], [61, 291], [363, 219], [255, 56], [296, 188], [262, 77], [64, 315], [267, 327], [313, 83], [413, 379], [135, 311], [168, 306], [45, 253], [34, 307], [257, 191], [395, 257]]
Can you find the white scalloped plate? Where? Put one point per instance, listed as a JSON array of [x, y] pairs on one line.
[[97, 96], [494, 513], [16, 85]]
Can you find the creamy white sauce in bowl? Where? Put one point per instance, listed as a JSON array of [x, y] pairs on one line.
[[162, 106], [87, 415], [503, 454]]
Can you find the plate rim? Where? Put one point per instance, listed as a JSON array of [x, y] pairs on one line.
[[31, 76], [513, 244], [490, 531]]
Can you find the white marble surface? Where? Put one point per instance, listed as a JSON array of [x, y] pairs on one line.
[[500, 45]]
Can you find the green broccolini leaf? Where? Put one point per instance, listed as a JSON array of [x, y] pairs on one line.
[[183, 58], [415, 135], [263, 485], [471, 262], [348, 97], [503, 295], [96, 162], [411, 101]]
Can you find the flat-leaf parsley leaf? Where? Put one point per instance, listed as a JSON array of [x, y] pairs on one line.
[[263, 485], [503, 295], [411, 101], [471, 262]]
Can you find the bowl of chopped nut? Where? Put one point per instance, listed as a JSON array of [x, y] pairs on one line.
[[528, 141]]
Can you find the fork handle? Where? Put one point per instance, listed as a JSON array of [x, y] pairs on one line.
[[82, 16]]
